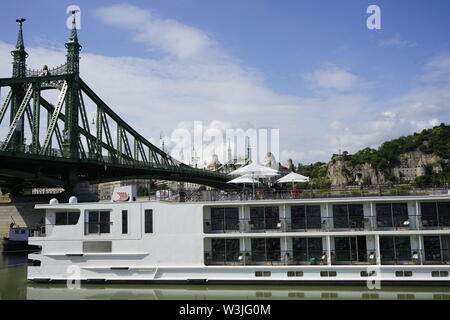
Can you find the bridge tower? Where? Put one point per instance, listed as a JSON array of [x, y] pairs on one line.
[[18, 90], [71, 132]]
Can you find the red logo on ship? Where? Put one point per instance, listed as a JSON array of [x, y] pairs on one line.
[[123, 196]]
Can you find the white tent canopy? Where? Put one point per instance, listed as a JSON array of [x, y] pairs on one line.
[[293, 177], [255, 170], [244, 179]]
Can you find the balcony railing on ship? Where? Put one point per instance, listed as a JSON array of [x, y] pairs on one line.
[[274, 257], [319, 257], [286, 194], [295, 224]]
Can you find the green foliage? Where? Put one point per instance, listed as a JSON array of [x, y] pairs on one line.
[[142, 191], [435, 140], [162, 186], [314, 170]]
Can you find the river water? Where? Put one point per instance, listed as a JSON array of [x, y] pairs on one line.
[[13, 286]]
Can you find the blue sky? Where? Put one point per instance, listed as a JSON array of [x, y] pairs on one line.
[[310, 68]]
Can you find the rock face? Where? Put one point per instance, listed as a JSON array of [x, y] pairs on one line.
[[342, 172], [410, 165]]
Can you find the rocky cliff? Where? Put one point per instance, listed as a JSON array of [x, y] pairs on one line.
[[341, 170]]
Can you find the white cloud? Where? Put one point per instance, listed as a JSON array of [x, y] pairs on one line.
[[333, 78], [199, 81], [396, 41], [168, 35]]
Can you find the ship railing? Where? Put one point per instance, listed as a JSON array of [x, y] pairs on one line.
[[405, 256], [305, 256], [350, 257], [269, 257], [312, 224], [286, 194]]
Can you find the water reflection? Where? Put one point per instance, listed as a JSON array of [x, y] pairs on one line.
[[13, 274], [13, 285], [235, 292]]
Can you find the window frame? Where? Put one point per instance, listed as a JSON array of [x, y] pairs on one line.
[[102, 227], [124, 221], [66, 219], [148, 223]]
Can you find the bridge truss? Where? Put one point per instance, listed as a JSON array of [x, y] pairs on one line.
[[67, 148]]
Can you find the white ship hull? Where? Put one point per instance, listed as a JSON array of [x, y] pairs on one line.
[[178, 244]]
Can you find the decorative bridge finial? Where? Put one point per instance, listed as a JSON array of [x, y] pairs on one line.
[[20, 44], [73, 33], [20, 21]]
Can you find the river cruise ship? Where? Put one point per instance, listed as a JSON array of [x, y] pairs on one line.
[[391, 239]]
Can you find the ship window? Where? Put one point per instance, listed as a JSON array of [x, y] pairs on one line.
[[124, 221], [305, 217], [435, 214], [328, 273], [263, 273], [439, 273], [395, 248], [225, 250], [306, 249], [403, 273], [295, 273], [99, 222], [264, 218], [392, 215], [266, 249], [148, 220], [225, 219], [348, 216], [66, 218]]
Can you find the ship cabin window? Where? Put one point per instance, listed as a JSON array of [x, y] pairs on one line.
[[225, 250], [66, 218], [350, 249], [328, 273], [367, 274], [266, 249], [148, 221], [395, 248], [348, 216], [124, 221], [307, 249], [263, 273], [439, 273], [392, 215], [98, 222], [295, 273], [305, 217], [403, 273], [262, 218], [225, 219], [435, 214]]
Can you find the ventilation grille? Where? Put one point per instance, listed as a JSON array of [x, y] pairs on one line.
[[97, 246]]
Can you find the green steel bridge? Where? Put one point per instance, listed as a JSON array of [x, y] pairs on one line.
[[66, 150]]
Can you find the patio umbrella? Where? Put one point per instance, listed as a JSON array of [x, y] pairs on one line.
[[255, 170], [293, 177], [244, 179]]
